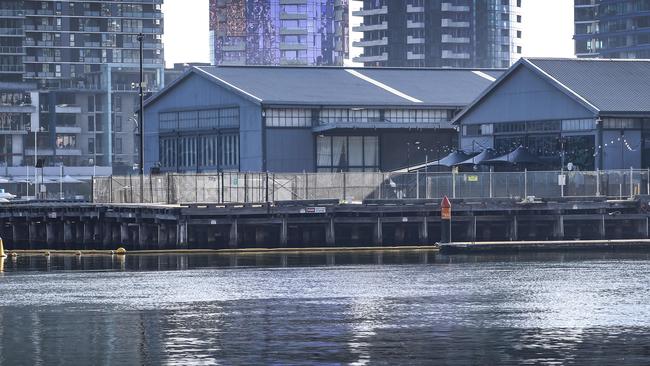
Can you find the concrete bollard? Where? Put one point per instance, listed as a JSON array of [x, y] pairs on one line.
[[2, 249]]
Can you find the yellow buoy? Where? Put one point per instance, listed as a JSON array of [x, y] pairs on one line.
[[2, 249], [120, 251]]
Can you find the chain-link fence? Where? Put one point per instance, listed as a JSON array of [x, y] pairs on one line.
[[271, 187]]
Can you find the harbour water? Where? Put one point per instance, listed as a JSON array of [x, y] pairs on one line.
[[386, 308]]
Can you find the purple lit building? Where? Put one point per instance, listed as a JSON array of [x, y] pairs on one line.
[[278, 32]]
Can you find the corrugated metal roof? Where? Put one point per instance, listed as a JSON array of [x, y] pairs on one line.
[[609, 85], [354, 86]]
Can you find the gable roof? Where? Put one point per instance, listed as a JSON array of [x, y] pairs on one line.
[[609, 85], [347, 86], [604, 86]]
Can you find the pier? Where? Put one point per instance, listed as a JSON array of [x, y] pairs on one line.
[[317, 223]]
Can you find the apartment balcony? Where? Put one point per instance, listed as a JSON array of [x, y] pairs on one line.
[[411, 24], [452, 7], [234, 47], [456, 56], [41, 152], [414, 56], [67, 151], [7, 50], [293, 31], [5, 69], [296, 62], [12, 13], [446, 38], [376, 42], [293, 16], [371, 27], [414, 9], [453, 24], [414, 40], [68, 129], [292, 46], [25, 108], [18, 32], [234, 62], [379, 58], [65, 108], [368, 12]]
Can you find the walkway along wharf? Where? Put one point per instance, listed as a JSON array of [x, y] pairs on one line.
[[316, 223]]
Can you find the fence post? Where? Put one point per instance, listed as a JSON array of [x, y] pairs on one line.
[[631, 182], [597, 182], [490, 177], [525, 183], [647, 190], [453, 183], [417, 184], [266, 193], [426, 185], [110, 188], [222, 189], [306, 180], [344, 188]]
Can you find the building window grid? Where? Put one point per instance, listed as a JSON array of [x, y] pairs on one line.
[[203, 119], [339, 115], [289, 117], [417, 115], [347, 153]]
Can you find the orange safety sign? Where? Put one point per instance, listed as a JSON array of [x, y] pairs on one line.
[[445, 212]]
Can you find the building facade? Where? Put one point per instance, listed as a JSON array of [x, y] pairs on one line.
[[612, 29], [432, 33], [83, 58], [594, 114], [279, 32], [306, 119]]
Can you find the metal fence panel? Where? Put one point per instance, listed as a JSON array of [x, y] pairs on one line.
[[262, 187]]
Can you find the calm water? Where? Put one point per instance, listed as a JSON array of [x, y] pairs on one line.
[[363, 308]]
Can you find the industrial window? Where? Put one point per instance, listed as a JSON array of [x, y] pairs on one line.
[[168, 121], [360, 115], [276, 117], [209, 119], [188, 120], [578, 124], [417, 115], [347, 153], [229, 117], [621, 123], [204, 119], [229, 151], [478, 130]]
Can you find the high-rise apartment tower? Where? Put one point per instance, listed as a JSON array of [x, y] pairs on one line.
[[612, 29], [79, 63], [440, 33], [279, 32]]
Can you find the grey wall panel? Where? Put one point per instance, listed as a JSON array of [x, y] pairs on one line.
[[476, 143], [194, 92], [617, 155], [525, 96], [398, 149], [290, 150]]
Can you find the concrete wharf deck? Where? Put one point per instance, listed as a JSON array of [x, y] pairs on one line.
[[322, 223]]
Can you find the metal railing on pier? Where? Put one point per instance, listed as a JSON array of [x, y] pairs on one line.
[[228, 187]]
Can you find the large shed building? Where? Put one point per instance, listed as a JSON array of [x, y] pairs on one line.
[[592, 113], [306, 119]]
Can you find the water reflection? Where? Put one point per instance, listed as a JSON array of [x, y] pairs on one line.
[[334, 308]]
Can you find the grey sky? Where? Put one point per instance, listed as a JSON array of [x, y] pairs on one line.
[[549, 28]]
